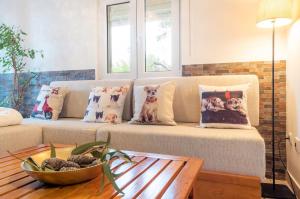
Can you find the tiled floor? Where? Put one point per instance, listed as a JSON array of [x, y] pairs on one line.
[[277, 182]]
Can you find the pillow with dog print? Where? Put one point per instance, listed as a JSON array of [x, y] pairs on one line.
[[49, 103], [106, 104], [224, 107], [154, 104]]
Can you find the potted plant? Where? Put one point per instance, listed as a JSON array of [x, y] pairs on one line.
[[13, 57]]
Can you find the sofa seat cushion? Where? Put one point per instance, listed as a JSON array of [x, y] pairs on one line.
[[17, 137], [226, 150], [67, 130]]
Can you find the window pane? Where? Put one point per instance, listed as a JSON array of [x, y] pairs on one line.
[[158, 35], [118, 28]]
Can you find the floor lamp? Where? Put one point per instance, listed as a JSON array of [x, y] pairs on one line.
[[272, 14]]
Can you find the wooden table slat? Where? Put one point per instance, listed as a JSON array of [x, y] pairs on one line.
[[8, 159], [15, 185], [12, 178], [3, 157], [117, 163], [183, 181], [129, 176], [154, 190], [23, 190], [139, 184], [158, 156], [14, 160], [10, 172], [10, 167]]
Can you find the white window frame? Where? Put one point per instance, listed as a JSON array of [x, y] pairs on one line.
[[104, 41], [141, 37], [138, 41]]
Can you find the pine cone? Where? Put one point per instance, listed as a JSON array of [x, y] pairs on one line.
[[56, 164], [82, 160], [68, 169], [95, 162]]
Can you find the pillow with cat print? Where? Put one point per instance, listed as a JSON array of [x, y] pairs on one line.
[[106, 104], [49, 102], [154, 104], [224, 107]]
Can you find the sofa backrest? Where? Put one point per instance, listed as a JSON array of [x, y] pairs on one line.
[[187, 100], [77, 98]]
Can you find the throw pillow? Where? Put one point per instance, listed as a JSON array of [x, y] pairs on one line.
[[49, 103], [106, 104], [9, 117], [154, 104], [224, 107]]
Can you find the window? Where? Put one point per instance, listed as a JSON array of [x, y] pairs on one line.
[[142, 38], [158, 34], [118, 34]]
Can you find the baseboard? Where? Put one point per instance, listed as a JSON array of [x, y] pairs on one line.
[[295, 183]]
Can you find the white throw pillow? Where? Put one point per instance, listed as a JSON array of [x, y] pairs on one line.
[[9, 117], [49, 102], [154, 104], [224, 107], [106, 104]]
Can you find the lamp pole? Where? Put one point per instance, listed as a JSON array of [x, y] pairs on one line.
[[273, 104], [272, 14]]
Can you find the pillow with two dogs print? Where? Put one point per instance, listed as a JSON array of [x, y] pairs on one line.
[[224, 107], [49, 102], [106, 104], [153, 104]]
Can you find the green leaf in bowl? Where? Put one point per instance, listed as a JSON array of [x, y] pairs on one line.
[[86, 147], [111, 177], [53, 151], [83, 148]]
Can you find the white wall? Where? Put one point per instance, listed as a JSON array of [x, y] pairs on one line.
[[66, 30], [225, 31], [221, 31], [293, 99]]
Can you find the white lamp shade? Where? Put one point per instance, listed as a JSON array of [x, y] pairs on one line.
[[274, 12]]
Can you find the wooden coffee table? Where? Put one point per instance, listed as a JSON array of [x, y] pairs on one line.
[[151, 176]]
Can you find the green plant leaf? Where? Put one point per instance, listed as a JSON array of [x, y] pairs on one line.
[[96, 154], [111, 178], [104, 154], [23, 33], [119, 154], [116, 175], [33, 167], [33, 164], [29, 159], [47, 168], [108, 139], [83, 148], [53, 151], [102, 183]]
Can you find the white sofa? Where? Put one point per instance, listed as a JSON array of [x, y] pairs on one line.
[[13, 138], [223, 150]]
